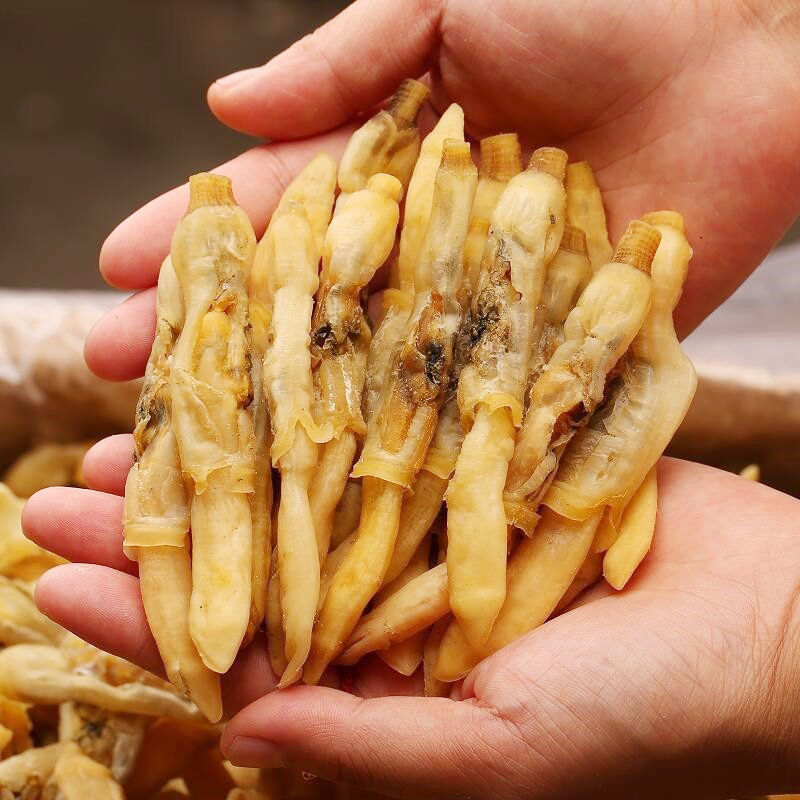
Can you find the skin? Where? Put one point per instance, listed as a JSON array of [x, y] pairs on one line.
[[682, 685]]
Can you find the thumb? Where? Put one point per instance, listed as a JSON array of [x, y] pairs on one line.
[[347, 65], [416, 746]]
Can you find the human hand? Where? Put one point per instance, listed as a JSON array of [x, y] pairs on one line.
[[656, 134], [683, 684]]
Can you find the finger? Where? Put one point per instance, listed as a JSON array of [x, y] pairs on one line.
[[420, 751], [250, 677], [79, 524], [132, 254], [346, 66], [118, 346], [106, 465], [103, 607]]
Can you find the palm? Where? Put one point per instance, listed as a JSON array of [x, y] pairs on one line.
[[698, 636], [648, 94]]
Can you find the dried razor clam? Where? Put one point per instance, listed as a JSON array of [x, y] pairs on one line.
[[597, 332], [420, 509], [156, 518], [47, 464], [752, 472], [312, 189], [433, 640], [261, 498], [567, 275], [20, 558], [526, 230], [419, 197], [388, 142], [358, 242], [332, 563], [212, 253], [405, 656], [276, 640], [109, 738], [20, 621], [77, 777], [590, 572], [401, 428], [412, 608], [286, 262], [500, 161], [347, 513], [585, 211], [539, 573], [15, 728], [422, 505], [606, 462], [398, 303], [635, 533], [25, 775], [44, 675]]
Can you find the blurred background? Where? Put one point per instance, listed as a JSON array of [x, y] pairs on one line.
[[105, 108]]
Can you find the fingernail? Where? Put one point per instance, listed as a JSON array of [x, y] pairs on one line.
[[235, 78], [245, 751]]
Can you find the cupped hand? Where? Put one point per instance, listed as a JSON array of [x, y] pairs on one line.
[[690, 106], [684, 683]]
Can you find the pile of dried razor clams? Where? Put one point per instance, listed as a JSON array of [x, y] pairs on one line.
[[429, 484]]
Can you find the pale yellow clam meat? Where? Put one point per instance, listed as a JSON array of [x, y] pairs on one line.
[[312, 189], [527, 225], [288, 257], [109, 738], [20, 621], [388, 142], [607, 461], [585, 211], [26, 774], [636, 528], [420, 509], [402, 425], [358, 242], [261, 498], [405, 418], [597, 333], [43, 675], [419, 197], [49, 464], [347, 513], [78, 777], [212, 253], [539, 573], [406, 655], [590, 572], [276, 640], [156, 516], [500, 161], [412, 608], [20, 558], [332, 564], [567, 275], [752, 472], [433, 640], [15, 728]]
